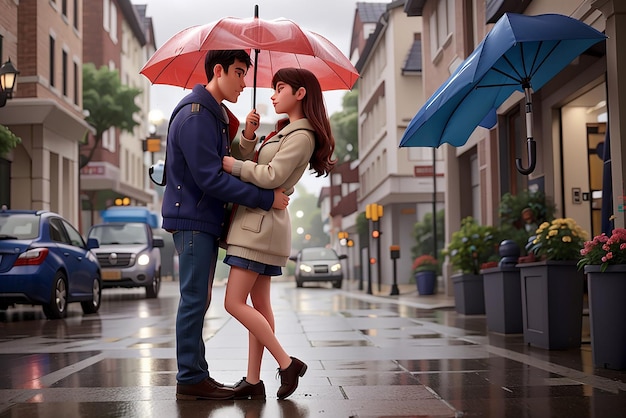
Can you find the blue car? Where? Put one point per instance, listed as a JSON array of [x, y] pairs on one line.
[[45, 261]]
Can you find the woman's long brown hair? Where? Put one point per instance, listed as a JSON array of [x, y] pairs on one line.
[[315, 111]]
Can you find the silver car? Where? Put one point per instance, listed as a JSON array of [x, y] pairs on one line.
[[318, 264], [129, 255]]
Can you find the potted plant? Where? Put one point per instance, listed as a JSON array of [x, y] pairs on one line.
[[425, 268], [552, 286], [604, 261], [503, 294], [521, 214], [469, 248]]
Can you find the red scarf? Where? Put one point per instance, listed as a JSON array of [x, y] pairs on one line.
[[279, 125]]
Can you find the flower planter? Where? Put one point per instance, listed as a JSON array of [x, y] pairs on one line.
[[426, 281], [503, 299], [607, 315], [469, 294], [552, 304]]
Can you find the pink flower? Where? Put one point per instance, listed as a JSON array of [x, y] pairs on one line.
[[605, 250]]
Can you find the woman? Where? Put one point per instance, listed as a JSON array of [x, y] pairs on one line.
[[259, 241]]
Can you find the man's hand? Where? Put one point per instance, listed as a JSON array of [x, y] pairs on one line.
[[227, 164], [252, 124], [281, 200]]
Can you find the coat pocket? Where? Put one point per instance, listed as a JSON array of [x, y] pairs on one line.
[[252, 221]]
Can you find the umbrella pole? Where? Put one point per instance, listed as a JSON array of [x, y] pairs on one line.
[[256, 56], [530, 142]]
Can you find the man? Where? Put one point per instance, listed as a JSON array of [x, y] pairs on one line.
[[193, 207]]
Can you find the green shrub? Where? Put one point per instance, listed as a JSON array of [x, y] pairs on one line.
[[471, 246]]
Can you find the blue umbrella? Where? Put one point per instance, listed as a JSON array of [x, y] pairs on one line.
[[519, 53]]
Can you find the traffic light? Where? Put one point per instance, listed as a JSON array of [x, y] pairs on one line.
[[343, 237], [373, 211]]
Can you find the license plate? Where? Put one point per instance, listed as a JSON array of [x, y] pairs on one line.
[[111, 274]]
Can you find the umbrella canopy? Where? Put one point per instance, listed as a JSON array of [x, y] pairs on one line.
[[520, 53], [277, 43]]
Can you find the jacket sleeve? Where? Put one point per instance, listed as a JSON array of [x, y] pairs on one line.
[[295, 151], [200, 143], [242, 148]]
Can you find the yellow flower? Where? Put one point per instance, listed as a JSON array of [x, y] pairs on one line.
[[567, 238]]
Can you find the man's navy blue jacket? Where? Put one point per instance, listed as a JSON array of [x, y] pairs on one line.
[[197, 189]]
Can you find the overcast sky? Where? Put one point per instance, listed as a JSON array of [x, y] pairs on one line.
[[332, 19]]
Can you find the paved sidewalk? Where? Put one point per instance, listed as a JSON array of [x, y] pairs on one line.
[[368, 355]]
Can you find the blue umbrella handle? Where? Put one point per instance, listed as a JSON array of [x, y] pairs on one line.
[[532, 158]]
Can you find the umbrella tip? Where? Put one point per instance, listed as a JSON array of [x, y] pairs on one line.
[[256, 10]]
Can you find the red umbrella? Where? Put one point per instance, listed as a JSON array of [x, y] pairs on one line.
[[277, 43]]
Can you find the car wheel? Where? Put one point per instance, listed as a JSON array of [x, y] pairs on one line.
[[152, 290], [93, 305], [337, 284], [57, 308]]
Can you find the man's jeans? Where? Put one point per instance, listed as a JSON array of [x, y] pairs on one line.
[[197, 252]]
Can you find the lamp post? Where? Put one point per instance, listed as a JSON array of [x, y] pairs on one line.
[[8, 76]]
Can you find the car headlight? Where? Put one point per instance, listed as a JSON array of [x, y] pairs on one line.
[[306, 268], [335, 267], [143, 260]]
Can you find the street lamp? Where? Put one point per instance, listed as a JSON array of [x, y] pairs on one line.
[[8, 76]]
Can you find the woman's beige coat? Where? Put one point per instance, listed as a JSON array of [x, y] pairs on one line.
[[265, 236]]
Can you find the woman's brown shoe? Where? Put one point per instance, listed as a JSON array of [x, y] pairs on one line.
[[289, 377], [245, 390]]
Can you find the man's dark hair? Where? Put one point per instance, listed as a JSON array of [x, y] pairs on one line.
[[226, 58]]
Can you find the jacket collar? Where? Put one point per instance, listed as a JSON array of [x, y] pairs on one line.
[[296, 125], [207, 100]]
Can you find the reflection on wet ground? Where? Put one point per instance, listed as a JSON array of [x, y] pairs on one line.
[[368, 356]]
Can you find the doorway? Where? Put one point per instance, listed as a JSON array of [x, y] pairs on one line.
[[584, 125]]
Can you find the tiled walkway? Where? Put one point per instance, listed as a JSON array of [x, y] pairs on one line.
[[368, 356]]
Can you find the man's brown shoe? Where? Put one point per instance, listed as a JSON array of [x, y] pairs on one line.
[[245, 390], [207, 389], [289, 377]]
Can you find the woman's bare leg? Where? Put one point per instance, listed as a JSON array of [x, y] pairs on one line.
[[260, 297], [239, 286]]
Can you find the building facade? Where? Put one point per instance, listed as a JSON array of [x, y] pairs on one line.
[[120, 38], [47, 43], [43, 39], [406, 182], [571, 115]]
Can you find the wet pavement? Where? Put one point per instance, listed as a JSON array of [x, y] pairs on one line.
[[368, 356]]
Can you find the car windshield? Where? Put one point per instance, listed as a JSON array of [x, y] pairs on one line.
[[120, 234], [318, 254], [19, 226]]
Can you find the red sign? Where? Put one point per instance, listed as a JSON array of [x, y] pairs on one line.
[[423, 171]]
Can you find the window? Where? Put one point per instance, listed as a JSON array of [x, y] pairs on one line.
[[75, 14], [113, 30], [76, 83], [64, 65], [75, 238], [56, 232], [108, 139], [441, 26], [105, 15], [52, 46], [64, 8]]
